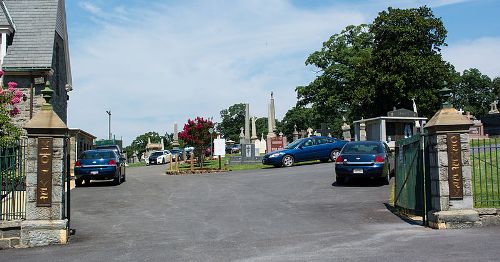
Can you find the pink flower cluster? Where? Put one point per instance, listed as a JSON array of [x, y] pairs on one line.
[[10, 97]]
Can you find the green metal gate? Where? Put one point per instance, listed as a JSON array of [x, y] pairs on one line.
[[13, 181], [412, 182], [485, 160]]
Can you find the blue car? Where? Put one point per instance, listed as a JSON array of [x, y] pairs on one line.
[[305, 149], [364, 159], [101, 164]]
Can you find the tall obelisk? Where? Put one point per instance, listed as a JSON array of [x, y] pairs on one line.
[[271, 120], [175, 143], [247, 123]]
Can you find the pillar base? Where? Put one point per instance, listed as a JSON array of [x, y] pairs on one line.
[[44, 232], [452, 219]]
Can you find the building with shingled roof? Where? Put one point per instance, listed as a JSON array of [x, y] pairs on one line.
[[34, 49]]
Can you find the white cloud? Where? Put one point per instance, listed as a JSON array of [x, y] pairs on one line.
[[483, 54], [178, 62]]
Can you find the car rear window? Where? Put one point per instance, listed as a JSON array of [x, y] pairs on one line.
[[365, 148], [156, 154], [97, 155]]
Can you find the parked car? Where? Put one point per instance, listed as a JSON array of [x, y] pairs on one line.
[[305, 149], [233, 149], [115, 148], [364, 159], [177, 153], [102, 164], [159, 157]]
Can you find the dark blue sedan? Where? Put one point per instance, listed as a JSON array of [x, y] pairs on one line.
[[364, 159], [305, 149], [102, 164]]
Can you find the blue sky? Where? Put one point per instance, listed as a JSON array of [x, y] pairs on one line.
[[153, 63]]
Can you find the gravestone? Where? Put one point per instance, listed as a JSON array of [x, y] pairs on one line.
[[362, 131], [254, 130], [263, 145], [346, 131], [324, 131], [175, 143], [247, 124], [309, 132], [242, 137], [271, 118], [295, 134], [494, 109]]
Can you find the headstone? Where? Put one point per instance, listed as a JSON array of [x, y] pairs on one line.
[[324, 131], [247, 123], [362, 131], [247, 151], [257, 147], [494, 109], [263, 145], [302, 134], [346, 131], [309, 132], [295, 133], [254, 130], [219, 147], [175, 143], [275, 143], [271, 121]]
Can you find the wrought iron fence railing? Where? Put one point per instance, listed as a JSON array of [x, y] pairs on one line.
[[485, 160], [13, 181]]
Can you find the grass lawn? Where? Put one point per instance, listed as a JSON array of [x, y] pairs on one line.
[[484, 142], [136, 164], [486, 177]]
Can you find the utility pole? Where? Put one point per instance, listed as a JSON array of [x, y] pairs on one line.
[[109, 123]]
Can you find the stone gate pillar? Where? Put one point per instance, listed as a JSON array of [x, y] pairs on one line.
[[45, 222], [450, 170]]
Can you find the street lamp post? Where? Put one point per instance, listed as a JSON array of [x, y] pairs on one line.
[[109, 124], [211, 130]]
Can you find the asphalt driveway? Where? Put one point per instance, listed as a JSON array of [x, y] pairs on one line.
[[279, 214]]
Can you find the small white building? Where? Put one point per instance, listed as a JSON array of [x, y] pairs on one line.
[[398, 124]]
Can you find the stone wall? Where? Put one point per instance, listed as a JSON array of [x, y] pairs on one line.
[[438, 160], [10, 234]]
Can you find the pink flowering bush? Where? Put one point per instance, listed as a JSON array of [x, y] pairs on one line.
[[195, 133], [9, 100]]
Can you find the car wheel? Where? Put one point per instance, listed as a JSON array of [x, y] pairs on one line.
[[117, 180], [287, 161], [334, 154], [78, 182], [340, 180]]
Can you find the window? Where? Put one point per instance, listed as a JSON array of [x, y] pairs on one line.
[[308, 142]]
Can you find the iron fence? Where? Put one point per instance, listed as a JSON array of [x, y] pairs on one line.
[[485, 155], [13, 181]]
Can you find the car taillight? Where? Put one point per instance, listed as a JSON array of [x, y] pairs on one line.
[[78, 163], [339, 159], [379, 159], [112, 162]]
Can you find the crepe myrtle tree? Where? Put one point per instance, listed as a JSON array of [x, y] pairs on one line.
[[196, 134], [10, 97]]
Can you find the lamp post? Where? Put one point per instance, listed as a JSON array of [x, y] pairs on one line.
[[109, 124], [211, 130]]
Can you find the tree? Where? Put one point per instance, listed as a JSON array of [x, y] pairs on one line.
[[9, 98], [233, 119], [139, 143], [302, 117], [196, 133], [261, 126], [474, 93], [344, 84], [495, 85], [407, 61]]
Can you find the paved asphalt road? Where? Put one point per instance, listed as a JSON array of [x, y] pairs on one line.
[[285, 214]]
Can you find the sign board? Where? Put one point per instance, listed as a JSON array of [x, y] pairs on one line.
[[39, 80], [455, 166], [402, 113], [277, 143], [44, 172], [219, 147]]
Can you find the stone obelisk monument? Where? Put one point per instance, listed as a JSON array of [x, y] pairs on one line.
[[271, 122], [247, 123], [175, 143]]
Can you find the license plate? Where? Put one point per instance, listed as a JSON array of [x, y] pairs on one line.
[[357, 171], [94, 172]]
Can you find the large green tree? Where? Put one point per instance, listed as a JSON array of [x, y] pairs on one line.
[[343, 86], [139, 143], [302, 117], [366, 70], [473, 93], [232, 119], [407, 61], [495, 84]]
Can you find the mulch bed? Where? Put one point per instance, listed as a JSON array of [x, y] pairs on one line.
[[195, 171]]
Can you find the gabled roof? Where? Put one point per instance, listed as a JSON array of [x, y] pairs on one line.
[[5, 19], [33, 42]]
